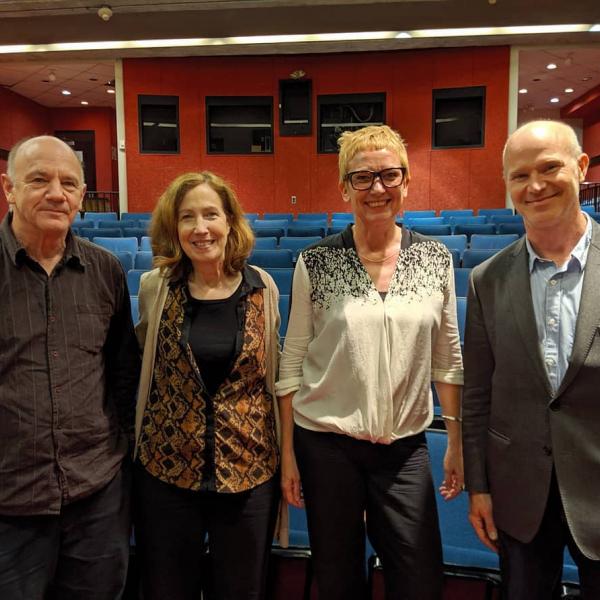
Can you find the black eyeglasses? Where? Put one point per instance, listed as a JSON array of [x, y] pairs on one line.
[[364, 180]]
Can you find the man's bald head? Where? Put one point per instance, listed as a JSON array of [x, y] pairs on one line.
[[23, 145], [543, 129]]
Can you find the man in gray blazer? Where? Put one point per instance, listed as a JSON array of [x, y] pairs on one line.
[[531, 407]]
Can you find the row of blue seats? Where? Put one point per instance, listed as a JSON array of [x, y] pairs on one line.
[[111, 224], [284, 258]]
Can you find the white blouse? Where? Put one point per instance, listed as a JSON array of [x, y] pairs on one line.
[[360, 365]]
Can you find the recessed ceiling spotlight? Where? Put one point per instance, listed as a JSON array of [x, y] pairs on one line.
[[66, 93], [523, 91], [554, 100], [93, 79], [569, 90], [84, 102], [536, 79], [110, 91], [586, 78], [551, 66]]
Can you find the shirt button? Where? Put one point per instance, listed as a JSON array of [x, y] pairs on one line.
[[54, 354], [549, 361], [551, 322]]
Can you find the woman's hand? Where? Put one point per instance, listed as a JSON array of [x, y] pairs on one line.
[[290, 479], [454, 477]]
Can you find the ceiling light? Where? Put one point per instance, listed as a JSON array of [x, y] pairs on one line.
[[105, 13], [110, 91], [554, 100], [523, 91], [551, 66], [595, 28], [52, 76], [586, 78], [66, 93], [84, 102], [569, 90]]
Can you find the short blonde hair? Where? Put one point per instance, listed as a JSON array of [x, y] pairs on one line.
[[168, 254], [373, 137]]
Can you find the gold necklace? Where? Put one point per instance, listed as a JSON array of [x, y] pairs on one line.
[[378, 260]]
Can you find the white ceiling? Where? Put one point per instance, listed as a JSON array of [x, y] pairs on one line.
[[51, 21]]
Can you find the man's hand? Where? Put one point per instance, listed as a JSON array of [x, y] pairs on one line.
[[480, 516]]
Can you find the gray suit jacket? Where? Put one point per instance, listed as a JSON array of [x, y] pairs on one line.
[[514, 427]]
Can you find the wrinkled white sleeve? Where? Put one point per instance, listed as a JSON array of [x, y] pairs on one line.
[[300, 332], [446, 363]]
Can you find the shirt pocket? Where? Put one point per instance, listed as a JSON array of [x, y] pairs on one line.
[[93, 322]]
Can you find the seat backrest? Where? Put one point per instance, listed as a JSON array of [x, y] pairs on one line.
[[135, 312], [453, 241], [284, 308], [266, 243], [283, 278], [272, 258], [434, 230], [289, 217], [451, 212], [133, 279], [100, 216], [505, 228], [489, 242], [295, 244], [425, 221], [308, 230], [270, 223], [125, 258], [469, 230], [418, 214], [115, 232], [146, 243], [87, 232], [468, 220], [127, 244], [472, 258], [490, 212], [459, 542], [143, 260], [135, 216], [497, 219], [342, 216], [276, 232], [137, 232], [461, 281]]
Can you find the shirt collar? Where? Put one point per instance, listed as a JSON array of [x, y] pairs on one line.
[[18, 253], [578, 254]]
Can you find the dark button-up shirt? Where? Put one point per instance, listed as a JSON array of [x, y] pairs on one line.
[[69, 366]]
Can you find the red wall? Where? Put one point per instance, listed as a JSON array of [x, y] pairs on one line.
[[102, 122], [19, 118], [441, 178]]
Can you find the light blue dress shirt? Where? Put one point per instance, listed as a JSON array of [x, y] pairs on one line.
[[556, 293]]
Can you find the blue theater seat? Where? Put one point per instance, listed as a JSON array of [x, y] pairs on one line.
[[339, 216], [418, 214], [433, 230], [133, 280], [289, 217], [143, 260], [125, 258], [135, 216], [318, 216], [423, 221], [127, 244], [453, 242], [146, 243], [284, 308], [272, 258], [462, 212], [115, 232], [308, 229], [504, 228], [490, 212], [135, 312], [490, 242], [265, 243], [461, 281], [90, 217], [276, 232], [461, 316], [472, 258], [475, 228], [297, 244], [283, 279], [497, 219]]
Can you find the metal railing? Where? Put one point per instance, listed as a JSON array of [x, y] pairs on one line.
[[96, 201], [589, 195]]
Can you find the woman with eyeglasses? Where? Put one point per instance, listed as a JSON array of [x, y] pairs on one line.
[[372, 323]]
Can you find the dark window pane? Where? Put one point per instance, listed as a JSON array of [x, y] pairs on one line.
[[159, 124], [458, 117]]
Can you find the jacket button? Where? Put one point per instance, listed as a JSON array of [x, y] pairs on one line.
[[547, 450]]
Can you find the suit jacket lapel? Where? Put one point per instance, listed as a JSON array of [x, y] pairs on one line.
[[522, 309], [588, 317]]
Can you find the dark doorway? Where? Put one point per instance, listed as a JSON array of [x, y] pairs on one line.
[[84, 145]]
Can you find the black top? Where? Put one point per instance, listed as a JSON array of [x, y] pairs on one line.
[[213, 332]]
